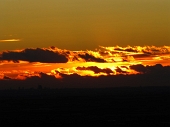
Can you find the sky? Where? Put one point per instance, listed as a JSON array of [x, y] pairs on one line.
[[71, 42], [85, 24]]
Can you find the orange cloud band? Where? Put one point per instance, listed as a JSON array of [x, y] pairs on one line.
[[103, 61]]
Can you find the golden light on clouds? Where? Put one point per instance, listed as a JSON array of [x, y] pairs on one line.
[[20, 64]]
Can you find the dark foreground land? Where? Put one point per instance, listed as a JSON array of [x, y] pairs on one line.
[[127, 106]]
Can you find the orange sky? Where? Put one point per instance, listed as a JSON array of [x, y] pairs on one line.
[[103, 61], [83, 24], [85, 33]]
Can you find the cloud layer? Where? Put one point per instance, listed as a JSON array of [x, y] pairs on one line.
[[156, 69], [156, 76], [95, 69], [104, 67], [136, 54], [34, 55]]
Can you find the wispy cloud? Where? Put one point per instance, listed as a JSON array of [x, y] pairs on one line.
[[10, 40]]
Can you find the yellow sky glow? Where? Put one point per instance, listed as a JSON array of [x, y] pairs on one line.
[[84, 24]]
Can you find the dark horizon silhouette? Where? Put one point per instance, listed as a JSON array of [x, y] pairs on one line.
[[159, 78]]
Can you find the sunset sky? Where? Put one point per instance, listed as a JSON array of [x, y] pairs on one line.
[[83, 24], [60, 38]]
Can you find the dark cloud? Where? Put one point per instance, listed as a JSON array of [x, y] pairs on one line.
[[124, 67], [156, 69], [145, 50], [47, 77], [142, 56], [77, 81], [89, 58], [95, 69], [120, 71], [139, 68], [34, 55], [6, 78], [129, 49]]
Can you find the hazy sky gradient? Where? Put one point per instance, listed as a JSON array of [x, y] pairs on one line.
[[84, 24]]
